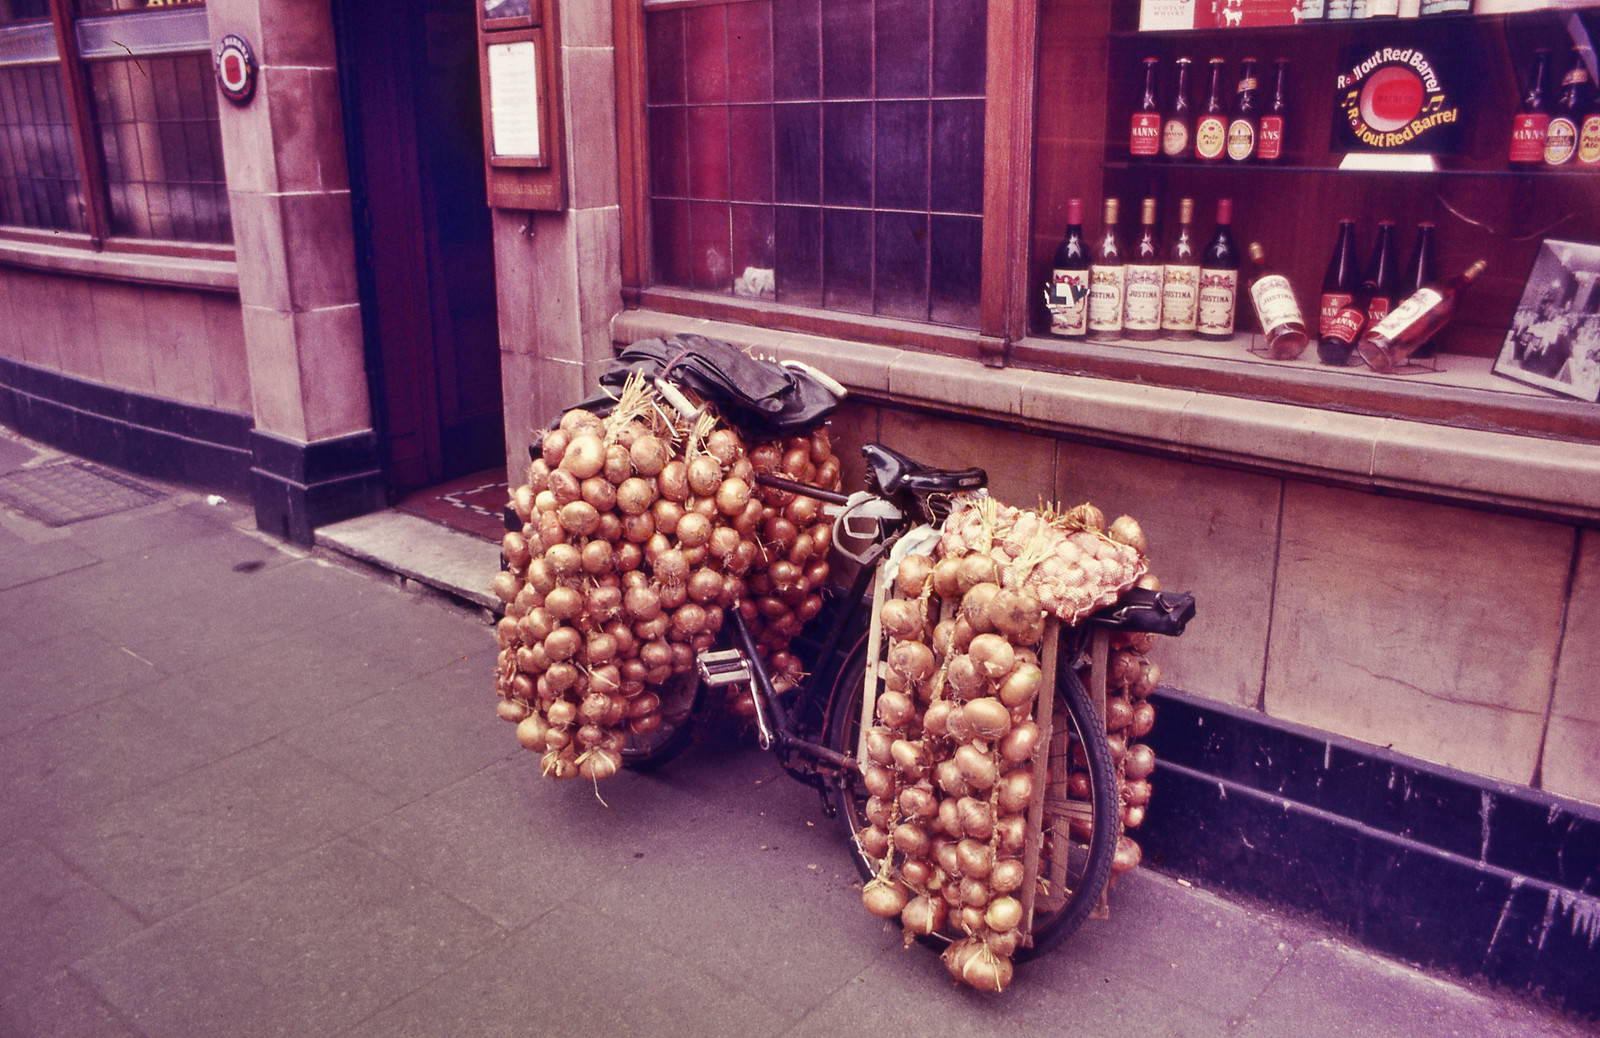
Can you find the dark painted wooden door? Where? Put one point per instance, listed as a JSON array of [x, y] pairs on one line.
[[409, 75]]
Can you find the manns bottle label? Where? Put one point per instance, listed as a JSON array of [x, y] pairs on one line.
[[1144, 136], [1527, 136], [1180, 296], [1270, 146], [1069, 308], [1332, 303], [1218, 294]]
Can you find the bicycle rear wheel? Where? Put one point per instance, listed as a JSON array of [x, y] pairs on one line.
[[1081, 825]]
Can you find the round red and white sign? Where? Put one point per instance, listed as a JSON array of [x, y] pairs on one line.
[[236, 69]]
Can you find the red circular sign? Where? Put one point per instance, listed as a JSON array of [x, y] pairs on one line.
[[1391, 98], [236, 69]]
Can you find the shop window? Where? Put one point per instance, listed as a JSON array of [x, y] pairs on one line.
[[819, 153], [120, 141]]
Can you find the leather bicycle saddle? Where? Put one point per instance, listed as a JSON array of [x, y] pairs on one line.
[[892, 472]]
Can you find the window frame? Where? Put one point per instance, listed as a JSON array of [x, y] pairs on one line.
[[1010, 67], [96, 236]]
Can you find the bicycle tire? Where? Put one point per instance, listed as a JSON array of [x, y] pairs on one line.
[[1089, 862], [646, 753]]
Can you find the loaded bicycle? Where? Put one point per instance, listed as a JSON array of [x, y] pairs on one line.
[[1031, 820]]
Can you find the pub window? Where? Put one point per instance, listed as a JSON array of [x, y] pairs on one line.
[[819, 153], [119, 140]]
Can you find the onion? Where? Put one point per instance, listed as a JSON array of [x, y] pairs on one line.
[[975, 605], [885, 898], [600, 493], [974, 964], [1020, 743], [541, 575], [946, 577], [635, 495], [580, 420], [579, 518], [618, 466], [641, 603], [705, 475], [947, 776], [977, 818], [973, 570], [649, 455], [912, 660], [1004, 913], [874, 842], [1003, 944], [732, 496], [918, 802], [1017, 615], [895, 709], [911, 839], [1139, 761], [1021, 685], [976, 767], [505, 585], [974, 892], [561, 713], [935, 717], [671, 567], [1133, 816], [903, 618], [913, 575], [585, 455], [974, 858], [987, 717], [1126, 856], [555, 764], [511, 710], [564, 603], [964, 675], [923, 915], [553, 446], [1125, 530], [1144, 719], [1136, 792], [561, 676], [564, 560], [878, 779], [1149, 678], [531, 732], [599, 763], [1006, 876], [880, 812], [674, 480], [522, 502], [993, 654], [596, 557], [1119, 713], [910, 758], [1012, 831], [565, 488], [694, 530], [1016, 790]]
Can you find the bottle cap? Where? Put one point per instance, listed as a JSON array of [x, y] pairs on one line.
[[1425, 225], [1476, 269], [1112, 206], [1147, 211], [1224, 210], [1074, 210], [1257, 253], [1152, 60]]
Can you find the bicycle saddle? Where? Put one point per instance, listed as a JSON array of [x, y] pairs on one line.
[[893, 472]]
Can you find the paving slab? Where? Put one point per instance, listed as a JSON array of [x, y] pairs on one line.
[[65, 673], [64, 1006], [416, 549], [310, 948]]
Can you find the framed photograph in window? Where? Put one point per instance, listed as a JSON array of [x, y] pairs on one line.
[[510, 14], [1554, 338], [515, 105]]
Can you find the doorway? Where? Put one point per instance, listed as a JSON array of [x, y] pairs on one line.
[[424, 245]]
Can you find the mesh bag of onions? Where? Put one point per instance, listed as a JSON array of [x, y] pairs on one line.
[[639, 531], [952, 762]]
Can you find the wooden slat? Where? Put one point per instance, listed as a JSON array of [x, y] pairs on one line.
[[1041, 767], [869, 692]]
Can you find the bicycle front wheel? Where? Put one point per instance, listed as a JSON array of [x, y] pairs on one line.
[[1081, 818]]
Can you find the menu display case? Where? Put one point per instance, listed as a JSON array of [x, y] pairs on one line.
[[1093, 72]]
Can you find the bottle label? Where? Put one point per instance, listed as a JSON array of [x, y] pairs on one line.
[[1219, 292], [1174, 138], [1446, 6], [1241, 139], [1310, 10], [1345, 325], [1527, 136], [1105, 298], [1575, 75], [1141, 307], [1406, 314], [1338, 8], [1069, 302], [1560, 141], [1271, 144], [1377, 308], [1247, 83], [1210, 137], [1328, 309], [1589, 140], [1275, 304], [1144, 137], [1180, 294]]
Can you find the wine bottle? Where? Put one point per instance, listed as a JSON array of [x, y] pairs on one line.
[[1418, 318], [1178, 127], [1341, 310], [1561, 135], [1144, 130], [1180, 278], [1419, 274], [1242, 126], [1141, 296], [1068, 296], [1276, 309], [1533, 117], [1382, 281], [1219, 279], [1107, 276], [1211, 130]]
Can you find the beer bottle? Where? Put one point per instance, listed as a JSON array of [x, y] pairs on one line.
[[1211, 130], [1589, 137], [1180, 278], [1341, 312], [1068, 296], [1270, 146], [1107, 276], [1420, 273], [1418, 318], [1219, 279], [1242, 126], [1561, 135], [1144, 134], [1177, 128], [1276, 309], [1533, 117], [1382, 282], [1141, 306]]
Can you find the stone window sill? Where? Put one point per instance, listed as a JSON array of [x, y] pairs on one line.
[[205, 268], [1528, 474]]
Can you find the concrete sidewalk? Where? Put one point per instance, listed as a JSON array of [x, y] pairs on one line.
[[249, 791]]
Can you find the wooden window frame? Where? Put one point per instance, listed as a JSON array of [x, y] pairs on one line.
[[97, 236], [1011, 61]]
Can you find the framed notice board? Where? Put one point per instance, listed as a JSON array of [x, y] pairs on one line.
[[520, 93]]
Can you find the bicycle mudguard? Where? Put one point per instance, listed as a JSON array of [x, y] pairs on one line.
[[1157, 612]]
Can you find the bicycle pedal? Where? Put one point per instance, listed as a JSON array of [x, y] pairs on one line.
[[723, 667]]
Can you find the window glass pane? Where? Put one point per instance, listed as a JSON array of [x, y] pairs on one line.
[[101, 6], [24, 11], [156, 32], [156, 118], [39, 184], [863, 120], [27, 41]]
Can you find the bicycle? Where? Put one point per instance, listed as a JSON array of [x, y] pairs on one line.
[[816, 729]]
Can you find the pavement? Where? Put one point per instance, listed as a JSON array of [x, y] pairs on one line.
[[254, 790]]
